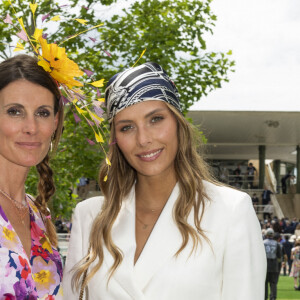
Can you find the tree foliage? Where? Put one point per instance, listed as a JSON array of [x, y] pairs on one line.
[[171, 31]]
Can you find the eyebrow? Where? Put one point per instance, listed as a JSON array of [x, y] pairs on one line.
[[146, 116], [20, 105]]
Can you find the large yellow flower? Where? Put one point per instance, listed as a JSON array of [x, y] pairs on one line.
[[55, 61]]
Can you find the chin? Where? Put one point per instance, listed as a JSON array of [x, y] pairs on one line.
[[29, 162], [151, 173]]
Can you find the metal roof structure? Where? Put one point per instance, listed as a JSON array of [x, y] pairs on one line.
[[237, 134]]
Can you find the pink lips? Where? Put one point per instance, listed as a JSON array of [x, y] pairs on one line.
[[150, 155], [29, 145]]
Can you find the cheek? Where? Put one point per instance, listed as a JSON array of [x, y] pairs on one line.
[[123, 145], [8, 129], [170, 136], [47, 129]]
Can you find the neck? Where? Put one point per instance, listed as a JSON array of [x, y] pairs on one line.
[[12, 181], [153, 193]]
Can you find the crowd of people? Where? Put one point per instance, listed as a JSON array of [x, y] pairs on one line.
[[282, 246]]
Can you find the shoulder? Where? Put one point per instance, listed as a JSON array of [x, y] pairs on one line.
[[90, 207], [225, 194], [84, 215], [226, 203]]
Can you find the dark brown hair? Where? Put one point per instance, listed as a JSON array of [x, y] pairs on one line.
[[25, 67]]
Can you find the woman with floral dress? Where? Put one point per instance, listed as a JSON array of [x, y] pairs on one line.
[[31, 118]]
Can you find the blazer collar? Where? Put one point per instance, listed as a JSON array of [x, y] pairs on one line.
[[163, 243], [123, 235]]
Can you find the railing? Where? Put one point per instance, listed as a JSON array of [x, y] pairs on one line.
[[260, 209], [63, 243], [243, 181]]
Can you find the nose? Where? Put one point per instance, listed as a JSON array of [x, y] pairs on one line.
[[143, 136], [30, 126]]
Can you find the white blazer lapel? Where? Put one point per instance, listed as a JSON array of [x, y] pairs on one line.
[[123, 235], [162, 244]]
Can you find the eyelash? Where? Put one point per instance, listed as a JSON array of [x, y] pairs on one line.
[[44, 113], [153, 120], [15, 112], [157, 119], [125, 128]]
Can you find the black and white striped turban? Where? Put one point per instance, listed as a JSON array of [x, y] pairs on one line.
[[146, 82]]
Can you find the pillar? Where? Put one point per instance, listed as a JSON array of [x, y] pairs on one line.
[[298, 169], [276, 169], [262, 157]]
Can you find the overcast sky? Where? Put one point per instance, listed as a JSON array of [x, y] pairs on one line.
[[264, 36]]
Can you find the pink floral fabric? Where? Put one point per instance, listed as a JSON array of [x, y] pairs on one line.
[[37, 277]]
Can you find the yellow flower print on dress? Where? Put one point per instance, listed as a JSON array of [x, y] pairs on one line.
[[45, 279], [42, 276], [9, 234], [46, 244], [8, 237]]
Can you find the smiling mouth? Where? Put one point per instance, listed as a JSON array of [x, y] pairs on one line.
[[149, 155]]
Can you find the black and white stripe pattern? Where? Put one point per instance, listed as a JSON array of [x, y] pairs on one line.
[[145, 82]]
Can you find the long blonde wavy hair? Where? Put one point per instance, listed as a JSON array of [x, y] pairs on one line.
[[190, 170]]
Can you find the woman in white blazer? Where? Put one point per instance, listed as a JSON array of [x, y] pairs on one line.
[[164, 228]]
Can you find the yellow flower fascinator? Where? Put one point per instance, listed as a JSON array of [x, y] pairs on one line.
[[54, 59]]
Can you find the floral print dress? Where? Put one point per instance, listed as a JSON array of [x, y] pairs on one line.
[[21, 278]]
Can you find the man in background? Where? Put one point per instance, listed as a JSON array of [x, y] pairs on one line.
[[251, 171], [273, 253]]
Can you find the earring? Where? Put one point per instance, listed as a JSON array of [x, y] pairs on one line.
[[51, 142]]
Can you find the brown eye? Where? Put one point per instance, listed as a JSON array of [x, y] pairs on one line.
[[156, 119], [44, 113], [14, 112], [126, 128]]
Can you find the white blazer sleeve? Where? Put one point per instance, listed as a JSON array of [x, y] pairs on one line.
[[75, 254], [244, 265]]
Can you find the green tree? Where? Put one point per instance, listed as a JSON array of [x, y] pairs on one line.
[[171, 31]]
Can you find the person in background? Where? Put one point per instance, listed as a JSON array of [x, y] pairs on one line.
[[294, 224], [273, 253], [295, 272], [237, 177], [284, 182], [82, 188], [287, 246], [255, 201], [290, 228], [297, 230], [164, 229], [31, 120], [268, 211], [281, 261], [266, 196], [251, 172]]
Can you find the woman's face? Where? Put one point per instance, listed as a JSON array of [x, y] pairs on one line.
[[146, 134], [27, 122]]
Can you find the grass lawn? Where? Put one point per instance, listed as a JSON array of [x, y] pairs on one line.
[[285, 289]]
